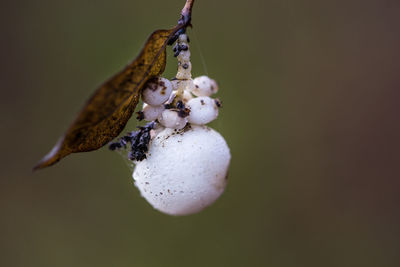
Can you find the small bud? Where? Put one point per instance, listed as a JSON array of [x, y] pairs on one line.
[[183, 38], [184, 56]]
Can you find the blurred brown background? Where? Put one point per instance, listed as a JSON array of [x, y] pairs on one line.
[[311, 113]]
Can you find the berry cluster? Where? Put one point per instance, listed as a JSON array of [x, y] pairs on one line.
[[181, 165], [183, 100], [172, 104]]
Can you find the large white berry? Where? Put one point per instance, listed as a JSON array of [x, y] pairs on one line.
[[185, 171], [202, 110], [151, 113], [204, 86], [171, 119], [157, 92]]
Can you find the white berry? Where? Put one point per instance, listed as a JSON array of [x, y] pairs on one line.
[[204, 86], [183, 38], [151, 113], [184, 56], [185, 171], [202, 110], [157, 92], [171, 119]]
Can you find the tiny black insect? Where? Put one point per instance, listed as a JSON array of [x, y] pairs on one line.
[[168, 106], [181, 109], [180, 104], [184, 112], [114, 146], [139, 141], [178, 48], [183, 47], [140, 115], [218, 103]]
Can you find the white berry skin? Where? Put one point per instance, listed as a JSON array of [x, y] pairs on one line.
[[204, 86], [184, 171], [156, 93], [203, 110], [151, 113], [171, 119]]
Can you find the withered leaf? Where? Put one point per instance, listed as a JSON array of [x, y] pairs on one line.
[[108, 110]]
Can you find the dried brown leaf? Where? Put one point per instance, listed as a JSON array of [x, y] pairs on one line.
[[108, 110]]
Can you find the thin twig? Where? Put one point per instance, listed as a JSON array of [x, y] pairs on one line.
[[186, 13]]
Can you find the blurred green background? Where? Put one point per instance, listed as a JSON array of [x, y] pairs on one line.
[[311, 113]]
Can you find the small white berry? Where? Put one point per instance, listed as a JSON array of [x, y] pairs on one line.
[[184, 171], [157, 92], [183, 38], [204, 86], [184, 56], [203, 110], [151, 113], [171, 119]]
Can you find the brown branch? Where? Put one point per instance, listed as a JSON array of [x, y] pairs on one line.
[[186, 13]]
